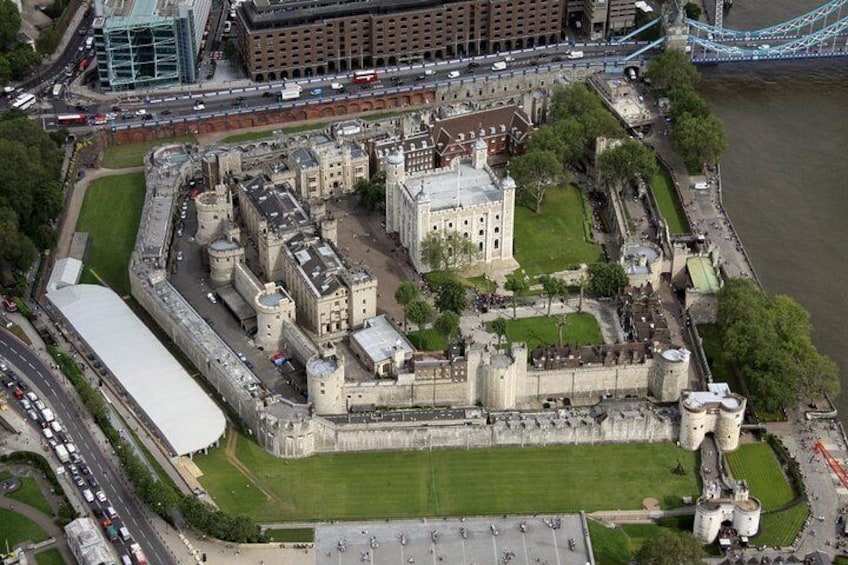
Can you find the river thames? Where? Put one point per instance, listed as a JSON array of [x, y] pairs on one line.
[[785, 176]]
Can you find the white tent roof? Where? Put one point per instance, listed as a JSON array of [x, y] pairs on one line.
[[66, 272], [182, 411]]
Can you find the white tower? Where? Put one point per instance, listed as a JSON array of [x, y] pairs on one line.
[[214, 210], [272, 307], [223, 256]]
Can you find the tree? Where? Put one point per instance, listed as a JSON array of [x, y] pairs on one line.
[[553, 287], [448, 325], [671, 71], [669, 547], [693, 11], [10, 22], [582, 281], [372, 192], [768, 341], [628, 162], [688, 102], [535, 172], [419, 313], [562, 321], [517, 285], [448, 251], [498, 326], [699, 139], [451, 297], [606, 279], [406, 292]]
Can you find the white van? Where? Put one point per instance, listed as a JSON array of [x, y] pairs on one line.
[[125, 533], [701, 185], [89, 43], [48, 434], [56, 427], [453, 74], [110, 511], [499, 66], [125, 559], [86, 494]]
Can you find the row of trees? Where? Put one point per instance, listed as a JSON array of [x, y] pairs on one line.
[[161, 496], [697, 134], [768, 340], [577, 117], [30, 190]]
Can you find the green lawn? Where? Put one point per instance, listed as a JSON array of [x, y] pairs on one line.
[[110, 214], [447, 482], [618, 545], [555, 239], [49, 557], [132, 154], [268, 133], [428, 340], [581, 329], [291, 535], [668, 202], [30, 493], [15, 528], [781, 528], [757, 464], [721, 370]]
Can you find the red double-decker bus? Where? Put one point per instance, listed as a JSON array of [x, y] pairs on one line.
[[72, 119], [365, 77]]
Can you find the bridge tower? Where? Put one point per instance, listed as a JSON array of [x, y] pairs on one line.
[[675, 28]]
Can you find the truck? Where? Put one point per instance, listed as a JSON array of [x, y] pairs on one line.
[[58, 90], [576, 54], [62, 453], [499, 66], [47, 414], [138, 554], [290, 91]]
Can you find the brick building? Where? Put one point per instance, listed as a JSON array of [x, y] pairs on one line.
[[294, 38]]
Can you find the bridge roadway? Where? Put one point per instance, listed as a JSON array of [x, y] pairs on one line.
[[109, 475]]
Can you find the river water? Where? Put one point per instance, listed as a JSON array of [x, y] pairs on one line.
[[785, 176]]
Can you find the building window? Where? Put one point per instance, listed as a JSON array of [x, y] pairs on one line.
[[481, 232], [497, 243]]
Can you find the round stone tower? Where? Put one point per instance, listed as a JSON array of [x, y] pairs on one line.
[[731, 412], [223, 256], [500, 381], [693, 421], [708, 519], [395, 176], [325, 382], [670, 374], [270, 305], [214, 209]]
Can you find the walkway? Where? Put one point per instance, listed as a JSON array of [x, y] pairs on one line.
[[44, 522]]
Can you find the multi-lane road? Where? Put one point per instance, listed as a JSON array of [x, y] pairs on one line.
[[119, 495]]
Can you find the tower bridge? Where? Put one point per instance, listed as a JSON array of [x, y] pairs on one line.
[[819, 33]]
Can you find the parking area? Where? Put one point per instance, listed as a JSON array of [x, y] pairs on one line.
[[539, 540]]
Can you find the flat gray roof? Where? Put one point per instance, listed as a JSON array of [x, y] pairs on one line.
[[463, 187], [185, 416], [378, 339]]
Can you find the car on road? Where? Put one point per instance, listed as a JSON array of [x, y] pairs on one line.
[[92, 482], [316, 91], [421, 77], [101, 497], [473, 65], [267, 94], [88, 496], [79, 482], [240, 99], [453, 74], [165, 112], [337, 86], [199, 106], [19, 394], [141, 112]]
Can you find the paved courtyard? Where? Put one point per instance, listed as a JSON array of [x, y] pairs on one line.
[[541, 540]]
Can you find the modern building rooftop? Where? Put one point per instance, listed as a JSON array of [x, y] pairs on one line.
[[319, 264], [280, 209], [140, 11], [176, 405], [703, 275], [462, 187], [379, 338], [293, 12]]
